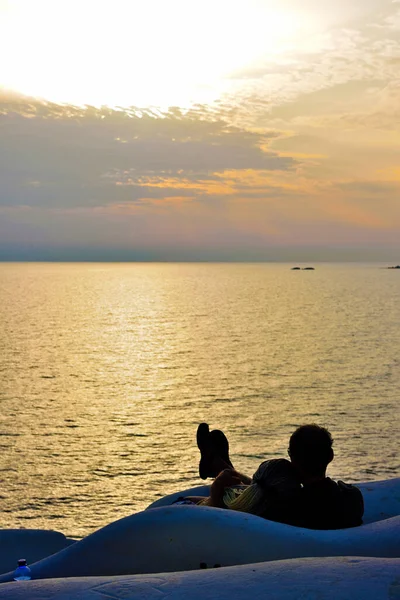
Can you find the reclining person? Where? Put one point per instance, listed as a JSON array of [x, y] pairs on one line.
[[295, 492]]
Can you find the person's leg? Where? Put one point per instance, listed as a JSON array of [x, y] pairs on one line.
[[214, 451], [196, 499], [218, 464], [221, 446]]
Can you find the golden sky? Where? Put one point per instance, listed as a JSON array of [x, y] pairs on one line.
[[184, 130]]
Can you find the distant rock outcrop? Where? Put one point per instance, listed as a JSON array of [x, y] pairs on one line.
[[303, 269], [396, 267]]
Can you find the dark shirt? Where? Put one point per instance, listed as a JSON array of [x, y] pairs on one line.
[[321, 505]]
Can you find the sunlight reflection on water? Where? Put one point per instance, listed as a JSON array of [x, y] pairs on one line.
[[106, 370]]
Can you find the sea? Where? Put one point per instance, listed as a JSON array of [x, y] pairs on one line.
[[106, 370]]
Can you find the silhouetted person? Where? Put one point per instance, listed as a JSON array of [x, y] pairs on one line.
[[296, 492]]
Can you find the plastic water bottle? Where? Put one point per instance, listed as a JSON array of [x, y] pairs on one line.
[[22, 572]]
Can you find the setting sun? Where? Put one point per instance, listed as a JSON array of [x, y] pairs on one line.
[[125, 52]]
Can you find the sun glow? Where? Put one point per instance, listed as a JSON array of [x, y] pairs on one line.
[[128, 52]]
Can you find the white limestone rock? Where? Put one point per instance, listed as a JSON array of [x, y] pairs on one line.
[[345, 578]]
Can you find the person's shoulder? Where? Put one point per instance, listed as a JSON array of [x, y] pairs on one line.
[[352, 499], [341, 504], [336, 489], [345, 489], [341, 486], [349, 489]]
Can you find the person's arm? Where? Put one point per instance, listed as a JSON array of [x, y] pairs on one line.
[[245, 479], [227, 478], [219, 465]]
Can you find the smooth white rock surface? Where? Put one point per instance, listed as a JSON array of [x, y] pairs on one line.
[[381, 498], [32, 544], [179, 538], [345, 578]]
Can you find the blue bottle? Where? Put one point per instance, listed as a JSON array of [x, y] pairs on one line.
[[22, 572]]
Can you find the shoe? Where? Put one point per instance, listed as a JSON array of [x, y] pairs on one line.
[[211, 445], [206, 450], [221, 446]]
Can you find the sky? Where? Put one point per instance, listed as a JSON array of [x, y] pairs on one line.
[[212, 130]]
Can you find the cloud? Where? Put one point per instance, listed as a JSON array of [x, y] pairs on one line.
[[305, 152], [66, 156], [371, 188], [359, 51]]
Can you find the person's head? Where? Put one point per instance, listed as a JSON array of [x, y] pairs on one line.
[[310, 450]]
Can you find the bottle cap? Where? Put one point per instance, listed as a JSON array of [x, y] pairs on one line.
[[22, 562]]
